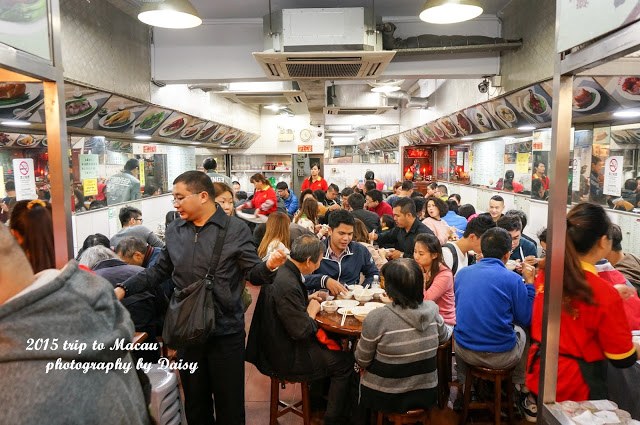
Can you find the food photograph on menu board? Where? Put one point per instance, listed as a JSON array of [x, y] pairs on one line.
[[625, 90], [173, 125], [151, 119], [206, 131], [503, 113], [20, 101], [481, 119], [117, 115], [193, 127], [463, 124], [219, 134], [81, 104], [533, 104]]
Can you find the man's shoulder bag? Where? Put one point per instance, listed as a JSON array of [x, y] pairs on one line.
[[191, 316]]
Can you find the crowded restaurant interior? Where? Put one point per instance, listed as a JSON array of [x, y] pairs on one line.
[[341, 213]]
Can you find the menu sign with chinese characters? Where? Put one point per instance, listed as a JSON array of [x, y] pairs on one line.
[[305, 148], [88, 166], [584, 20]]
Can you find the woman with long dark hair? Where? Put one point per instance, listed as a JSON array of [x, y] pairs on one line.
[[593, 326], [438, 278], [32, 226]]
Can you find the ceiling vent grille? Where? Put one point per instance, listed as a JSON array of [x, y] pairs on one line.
[[262, 98], [323, 65], [336, 110]]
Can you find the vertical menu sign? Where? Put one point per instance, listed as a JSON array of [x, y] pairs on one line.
[[89, 173], [24, 179]]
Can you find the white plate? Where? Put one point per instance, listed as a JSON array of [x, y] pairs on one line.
[[595, 102], [373, 305], [502, 111], [92, 103], [31, 92], [252, 218], [527, 106], [197, 127], [102, 121], [626, 94], [345, 311], [346, 303], [205, 132]]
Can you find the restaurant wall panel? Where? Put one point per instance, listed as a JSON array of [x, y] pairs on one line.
[[104, 47], [534, 22]]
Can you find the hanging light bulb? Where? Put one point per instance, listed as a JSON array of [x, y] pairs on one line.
[[176, 14], [449, 11]]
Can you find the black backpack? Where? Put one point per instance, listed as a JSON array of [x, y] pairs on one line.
[[454, 254]]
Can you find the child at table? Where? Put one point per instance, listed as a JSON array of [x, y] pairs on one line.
[[399, 342]]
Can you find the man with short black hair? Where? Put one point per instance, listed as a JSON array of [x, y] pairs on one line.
[[523, 219], [406, 190], [404, 234], [493, 305], [521, 249], [368, 186], [374, 203], [124, 186], [282, 341], [469, 242], [442, 192], [344, 259], [131, 221], [431, 189], [454, 220], [456, 198], [345, 197], [186, 259], [369, 218], [7, 203], [210, 166], [290, 199], [331, 199], [496, 206]]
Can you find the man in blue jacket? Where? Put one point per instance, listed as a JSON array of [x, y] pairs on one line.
[[343, 260], [290, 199], [493, 305]]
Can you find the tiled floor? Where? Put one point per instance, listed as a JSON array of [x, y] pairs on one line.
[[257, 394]]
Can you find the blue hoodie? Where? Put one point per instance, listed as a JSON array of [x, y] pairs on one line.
[[490, 300], [355, 260]]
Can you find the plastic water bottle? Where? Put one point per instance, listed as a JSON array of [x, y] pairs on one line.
[[376, 281]]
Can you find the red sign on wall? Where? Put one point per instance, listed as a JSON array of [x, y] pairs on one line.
[[305, 148]]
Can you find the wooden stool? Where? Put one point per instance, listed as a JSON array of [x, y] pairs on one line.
[[496, 376], [444, 360], [276, 403], [411, 417]]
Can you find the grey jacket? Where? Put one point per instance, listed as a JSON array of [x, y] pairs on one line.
[[140, 232], [186, 259], [74, 307], [398, 350], [220, 178], [122, 187]]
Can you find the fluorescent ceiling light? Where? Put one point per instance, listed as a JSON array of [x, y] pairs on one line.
[[449, 11], [274, 107], [176, 14], [385, 89], [630, 113], [526, 128], [142, 137], [16, 123]]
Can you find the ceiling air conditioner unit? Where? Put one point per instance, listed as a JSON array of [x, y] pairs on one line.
[[318, 43], [262, 98], [354, 99]]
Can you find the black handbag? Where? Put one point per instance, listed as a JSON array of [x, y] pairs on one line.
[[191, 316]]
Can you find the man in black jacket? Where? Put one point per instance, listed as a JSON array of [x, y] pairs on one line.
[[369, 218], [186, 258], [282, 340]]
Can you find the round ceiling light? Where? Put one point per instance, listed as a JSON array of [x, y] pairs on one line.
[[385, 89], [175, 14], [449, 11]]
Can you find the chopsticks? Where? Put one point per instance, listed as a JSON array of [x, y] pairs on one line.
[[344, 317]]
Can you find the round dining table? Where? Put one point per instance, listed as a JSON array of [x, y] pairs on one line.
[[330, 322]]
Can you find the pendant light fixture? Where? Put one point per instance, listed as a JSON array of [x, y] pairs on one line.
[[449, 11], [176, 14]]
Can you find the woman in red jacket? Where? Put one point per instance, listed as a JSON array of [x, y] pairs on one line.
[[264, 198], [315, 181], [593, 326]]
